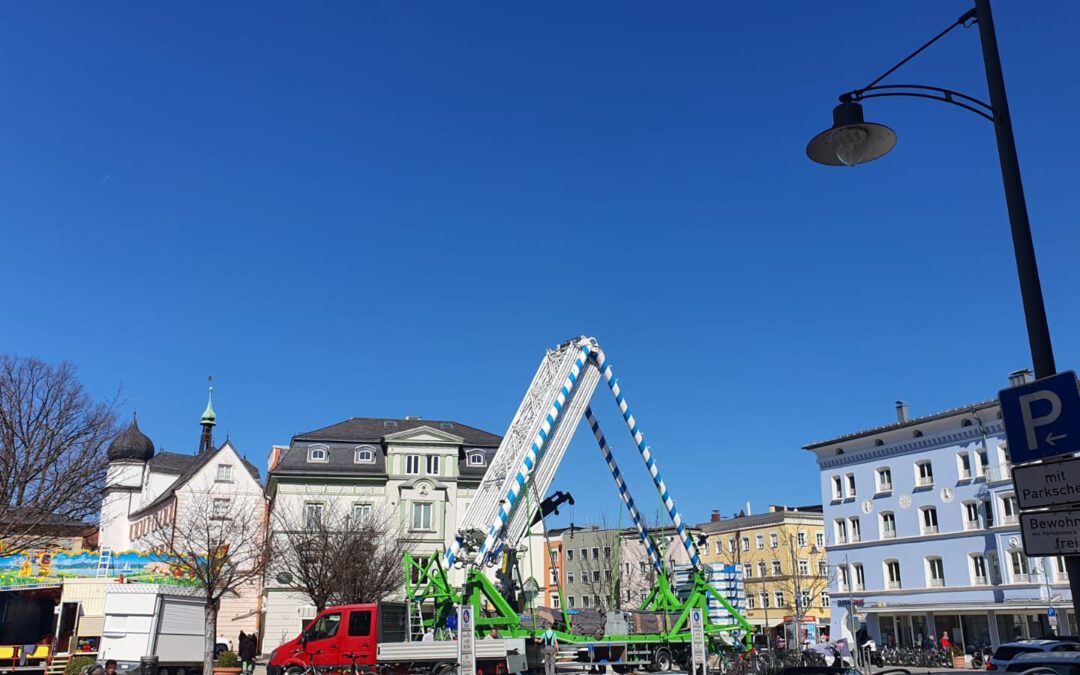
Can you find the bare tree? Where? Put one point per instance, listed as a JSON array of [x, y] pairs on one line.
[[336, 557], [219, 543], [53, 437]]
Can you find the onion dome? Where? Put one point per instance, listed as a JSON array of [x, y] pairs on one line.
[[131, 444]]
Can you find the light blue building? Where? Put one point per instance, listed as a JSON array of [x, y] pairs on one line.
[[922, 534]]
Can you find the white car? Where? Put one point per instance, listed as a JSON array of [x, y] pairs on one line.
[[1006, 653], [1046, 663]]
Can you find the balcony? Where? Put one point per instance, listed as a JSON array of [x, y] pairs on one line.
[[855, 537], [892, 585], [1021, 578], [982, 581], [859, 586], [994, 474], [1010, 520], [971, 525], [937, 583], [924, 481], [841, 539], [929, 529], [888, 534], [884, 488], [842, 587]]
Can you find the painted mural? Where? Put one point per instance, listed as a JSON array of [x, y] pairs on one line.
[[43, 567]]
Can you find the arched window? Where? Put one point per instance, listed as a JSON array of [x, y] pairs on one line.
[[878, 442], [365, 454], [966, 423], [917, 434], [839, 451], [318, 453], [476, 459]]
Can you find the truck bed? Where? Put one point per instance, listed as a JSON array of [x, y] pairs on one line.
[[446, 650]]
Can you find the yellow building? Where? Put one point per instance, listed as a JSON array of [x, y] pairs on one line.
[[782, 555]]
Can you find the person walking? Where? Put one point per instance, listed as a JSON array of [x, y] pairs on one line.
[[248, 647], [550, 644]]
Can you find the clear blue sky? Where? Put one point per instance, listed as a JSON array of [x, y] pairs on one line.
[[384, 209]]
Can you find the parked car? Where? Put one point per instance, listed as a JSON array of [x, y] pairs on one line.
[[1047, 663], [1005, 653]]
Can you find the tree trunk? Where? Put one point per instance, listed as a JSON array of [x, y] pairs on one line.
[[211, 612]]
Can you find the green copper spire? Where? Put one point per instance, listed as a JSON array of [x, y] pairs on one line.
[[208, 416]]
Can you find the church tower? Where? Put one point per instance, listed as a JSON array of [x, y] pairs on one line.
[[128, 454], [209, 419]]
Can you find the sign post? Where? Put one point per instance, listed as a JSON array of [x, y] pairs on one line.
[[466, 641], [1042, 422], [699, 657]]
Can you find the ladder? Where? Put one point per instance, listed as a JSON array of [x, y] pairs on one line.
[[104, 561], [58, 664], [415, 612]]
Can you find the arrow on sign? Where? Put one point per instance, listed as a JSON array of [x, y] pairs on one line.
[[1051, 438]]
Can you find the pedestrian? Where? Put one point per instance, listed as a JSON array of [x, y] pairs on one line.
[[946, 643], [110, 667], [248, 645], [550, 644], [494, 634], [429, 635]]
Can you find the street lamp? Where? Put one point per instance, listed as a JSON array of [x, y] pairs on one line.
[[852, 141]]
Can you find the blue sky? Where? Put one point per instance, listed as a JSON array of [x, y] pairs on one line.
[[390, 209]]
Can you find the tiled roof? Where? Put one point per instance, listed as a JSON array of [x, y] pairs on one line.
[[171, 462], [757, 520], [196, 463], [374, 429], [974, 407]]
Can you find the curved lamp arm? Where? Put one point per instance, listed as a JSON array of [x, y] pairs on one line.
[[921, 91]]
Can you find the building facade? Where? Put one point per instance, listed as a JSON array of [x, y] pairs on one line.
[[785, 570], [419, 474], [922, 531]]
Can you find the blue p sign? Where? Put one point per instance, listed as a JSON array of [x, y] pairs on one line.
[[1042, 419]]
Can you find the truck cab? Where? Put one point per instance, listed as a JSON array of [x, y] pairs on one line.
[[338, 633]]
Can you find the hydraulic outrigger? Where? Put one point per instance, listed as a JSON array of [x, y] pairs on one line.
[[500, 514]]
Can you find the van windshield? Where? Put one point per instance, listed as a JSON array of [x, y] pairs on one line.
[[325, 627]]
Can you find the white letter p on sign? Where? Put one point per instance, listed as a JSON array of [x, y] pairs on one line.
[[1032, 423]]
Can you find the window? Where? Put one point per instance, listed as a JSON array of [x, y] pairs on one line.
[[1062, 573], [807, 602], [819, 538], [221, 508], [412, 464], [888, 525], [476, 459], [642, 567], [762, 569], [1010, 514], [924, 474], [854, 530], [842, 579], [360, 623], [570, 601], [935, 572], [746, 543], [555, 602], [824, 598], [822, 568], [760, 541], [892, 574], [984, 460], [326, 627], [884, 479], [584, 554], [764, 597], [841, 531], [361, 512], [1019, 565], [778, 597], [313, 512], [596, 575], [837, 488], [851, 486], [224, 473], [569, 555], [800, 539], [433, 465], [774, 541], [964, 461], [748, 570], [317, 453], [776, 569], [971, 515], [585, 601], [731, 545], [596, 553], [929, 520], [988, 513], [569, 577], [421, 515], [804, 567], [750, 601], [365, 454], [607, 553], [978, 570]]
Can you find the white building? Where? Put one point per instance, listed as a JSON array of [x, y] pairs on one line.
[[421, 473], [147, 490]]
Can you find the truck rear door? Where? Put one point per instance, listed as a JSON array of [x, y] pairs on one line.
[[360, 637]]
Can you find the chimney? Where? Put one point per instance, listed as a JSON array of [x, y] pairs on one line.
[[748, 512], [714, 517], [1019, 377], [276, 451], [902, 412]]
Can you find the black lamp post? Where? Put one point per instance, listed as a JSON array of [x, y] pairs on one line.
[[852, 141]]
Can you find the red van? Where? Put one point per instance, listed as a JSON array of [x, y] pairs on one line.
[[337, 631]]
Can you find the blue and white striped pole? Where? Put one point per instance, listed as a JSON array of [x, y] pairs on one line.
[[624, 491], [646, 456], [527, 465]]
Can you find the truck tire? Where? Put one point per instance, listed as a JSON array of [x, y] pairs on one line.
[[294, 670], [662, 660], [444, 669]]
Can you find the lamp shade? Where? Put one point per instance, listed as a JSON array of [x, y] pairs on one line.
[[850, 141]]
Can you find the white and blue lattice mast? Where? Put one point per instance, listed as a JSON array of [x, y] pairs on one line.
[[624, 491]]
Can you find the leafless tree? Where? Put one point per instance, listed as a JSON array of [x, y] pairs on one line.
[[336, 557], [220, 544], [53, 436]]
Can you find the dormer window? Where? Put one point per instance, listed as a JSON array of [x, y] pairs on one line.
[[476, 459], [365, 454], [318, 453], [389, 423], [446, 425]]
